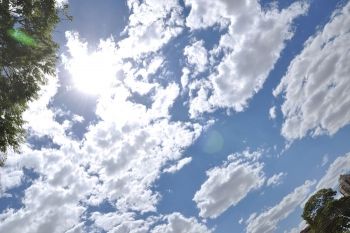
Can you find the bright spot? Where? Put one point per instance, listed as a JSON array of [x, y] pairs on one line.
[[22, 37], [92, 74]]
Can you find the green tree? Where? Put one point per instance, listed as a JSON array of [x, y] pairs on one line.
[[27, 56], [325, 214]]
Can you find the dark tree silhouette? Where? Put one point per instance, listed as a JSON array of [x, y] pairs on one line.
[[27, 56]]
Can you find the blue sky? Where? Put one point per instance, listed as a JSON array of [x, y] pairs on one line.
[[186, 116]]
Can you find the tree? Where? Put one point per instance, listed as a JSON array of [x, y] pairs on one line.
[[325, 214], [27, 57]]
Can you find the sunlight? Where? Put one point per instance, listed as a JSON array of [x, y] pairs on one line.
[[92, 74]]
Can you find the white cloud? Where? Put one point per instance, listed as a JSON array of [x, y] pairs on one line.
[[230, 183], [152, 24], [340, 166], [185, 77], [179, 165], [204, 14], [51, 203], [176, 223], [267, 221], [272, 112], [119, 159], [78, 228], [95, 72], [297, 229], [197, 56], [132, 162], [126, 150], [163, 100], [116, 222], [132, 142], [78, 118], [61, 3], [325, 160], [10, 176], [316, 85], [251, 46], [40, 120], [91, 72], [275, 179], [199, 91]]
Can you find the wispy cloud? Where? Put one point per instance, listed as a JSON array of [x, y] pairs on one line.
[[179, 165], [268, 220]]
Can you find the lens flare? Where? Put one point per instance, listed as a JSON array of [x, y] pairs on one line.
[[22, 37], [214, 142]]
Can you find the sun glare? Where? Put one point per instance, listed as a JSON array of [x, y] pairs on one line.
[[92, 74]]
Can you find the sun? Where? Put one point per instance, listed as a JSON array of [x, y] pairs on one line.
[[92, 73]]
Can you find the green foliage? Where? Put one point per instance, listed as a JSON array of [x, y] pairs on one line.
[[27, 56], [326, 214]]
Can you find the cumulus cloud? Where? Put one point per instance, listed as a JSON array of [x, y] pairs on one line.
[[204, 14], [152, 24], [132, 142], [267, 221], [197, 56], [117, 222], [56, 219], [120, 157], [250, 47], [177, 223], [40, 120], [130, 145], [52, 202], [316, 85], [10, 176], [229, 184]]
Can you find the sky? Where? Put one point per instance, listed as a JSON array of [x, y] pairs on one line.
[[185, 116]]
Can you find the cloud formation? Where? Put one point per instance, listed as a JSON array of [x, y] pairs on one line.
[[229, 184], [152, 24], [121, 156], [177, 223], [316, 85], [134, 138], [197, 56], [255, 38]]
